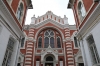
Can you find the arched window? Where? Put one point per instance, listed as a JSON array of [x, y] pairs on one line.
[[20, 11], [22, 42], [58, 42], [81, 10], [52, 42], [49, 38], [39, 42], [46, 44]]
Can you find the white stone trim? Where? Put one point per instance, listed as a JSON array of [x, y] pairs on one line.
[[29, 52], [27, 62], [69, 55], [30, 32], [70, 62], [27, 65], [28, 58], [28, 55], [70, 59], [29, 43], [69, 52]]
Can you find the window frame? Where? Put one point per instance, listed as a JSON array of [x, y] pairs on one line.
[[38, 41], [54, 35], [75, 43], [60, 42], [49, 36], [22, 12], [94, 51], [8, 51], [81, 18]]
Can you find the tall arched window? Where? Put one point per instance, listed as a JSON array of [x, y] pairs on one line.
[[20, 11], [52, 42], [46, 44], [81, 10], [49, 38], [39, 42], [58, 42]]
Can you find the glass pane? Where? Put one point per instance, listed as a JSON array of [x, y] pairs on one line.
[[93, 55], [5, 58], [46, 33], [49, 31], [52, 33], [46, 44], [75, 41], [9, 59], [52, 42], [22, 42], [58, 43], [39, 42], [10, 44], [96, 54], [49, 58], [90, 40], [83, 11]]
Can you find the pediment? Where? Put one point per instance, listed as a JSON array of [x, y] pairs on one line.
[[38, 25], [49, 50]]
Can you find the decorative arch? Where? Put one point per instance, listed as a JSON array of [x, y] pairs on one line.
[[52, 27], [50, 36]]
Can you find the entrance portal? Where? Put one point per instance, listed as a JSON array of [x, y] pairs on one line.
[[49, 61], [48, 64]]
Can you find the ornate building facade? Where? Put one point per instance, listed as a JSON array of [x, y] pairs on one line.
[[87, 18], [49, 41], [12, 18]]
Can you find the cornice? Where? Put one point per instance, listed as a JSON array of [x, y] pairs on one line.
[[90, 23]]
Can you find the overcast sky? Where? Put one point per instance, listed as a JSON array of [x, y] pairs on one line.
[[58, 7]]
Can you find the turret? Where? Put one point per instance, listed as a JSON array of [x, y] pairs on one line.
[[33, 20], [65, 19]]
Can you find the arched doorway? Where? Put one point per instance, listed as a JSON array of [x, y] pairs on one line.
[[49, 61]]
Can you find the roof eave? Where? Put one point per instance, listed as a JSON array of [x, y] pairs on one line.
[[29, 4]]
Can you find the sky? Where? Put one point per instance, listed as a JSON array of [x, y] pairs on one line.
[[58, 7]]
